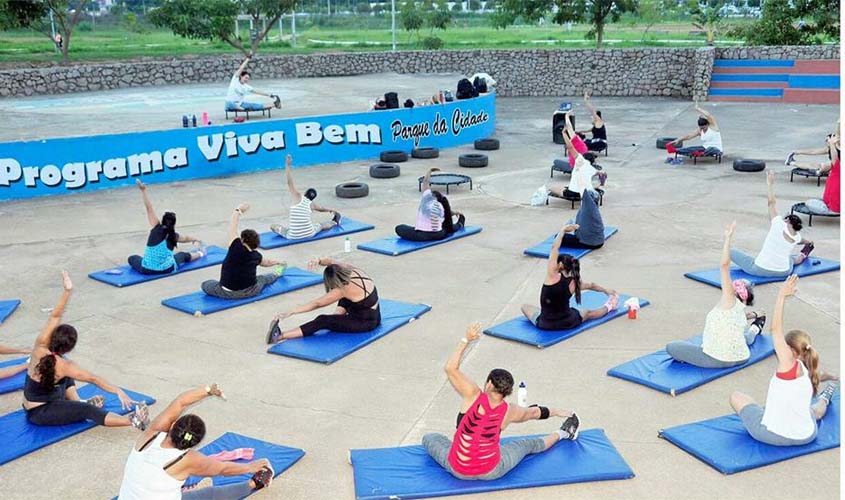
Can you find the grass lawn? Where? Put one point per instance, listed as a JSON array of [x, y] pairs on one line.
[[115, 43]]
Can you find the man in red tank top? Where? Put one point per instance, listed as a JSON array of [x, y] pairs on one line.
[[475, 451]]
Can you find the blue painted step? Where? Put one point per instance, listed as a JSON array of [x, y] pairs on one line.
[[750, 77], [814, 81], [748, 92], [768, 63]]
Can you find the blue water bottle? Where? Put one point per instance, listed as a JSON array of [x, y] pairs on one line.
[[185, 121]]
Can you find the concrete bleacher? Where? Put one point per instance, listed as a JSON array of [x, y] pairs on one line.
[[810, 81]]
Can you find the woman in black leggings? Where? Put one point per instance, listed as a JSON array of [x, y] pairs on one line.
[[357, 308], [563, 281], [49, 394]]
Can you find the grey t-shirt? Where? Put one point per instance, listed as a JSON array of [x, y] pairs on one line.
[[590, 226]]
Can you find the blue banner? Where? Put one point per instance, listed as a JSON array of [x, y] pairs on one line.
[[58, 166]]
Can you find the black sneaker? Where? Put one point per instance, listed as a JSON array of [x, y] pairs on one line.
[[789, 159], [759, 322], [263, 478], [570, 426], [274, 332], [277, 102], [336, 218]]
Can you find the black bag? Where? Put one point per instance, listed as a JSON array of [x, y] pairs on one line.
[[480, 85], [392, 100], [465, 90], [409, 103]]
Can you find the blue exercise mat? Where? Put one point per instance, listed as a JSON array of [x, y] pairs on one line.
[[18, 437], [14, 383], [121, 276], [7, 307], [199, 302], [807, 268], [327, 347], [522, 330], [659, 371], [724, 444], [347, 226], [544, 248], [409, 472], [281, 458], [394, 245]]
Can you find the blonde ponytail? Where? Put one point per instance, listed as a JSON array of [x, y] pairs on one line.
[[799, 341]]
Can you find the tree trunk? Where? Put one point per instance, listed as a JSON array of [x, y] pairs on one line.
[[599, 34], [711, 35], [65, 47]]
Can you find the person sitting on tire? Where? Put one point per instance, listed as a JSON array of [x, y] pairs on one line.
[[709, 133], [775, 259], [300, 226], [238, 279], [598, 141], [818, 168], [434, 216], [239, 89], [830, 199]]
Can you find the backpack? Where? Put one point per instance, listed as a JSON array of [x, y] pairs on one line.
[[480, 85], [540, 196], [391, 100], [465, 90], [447, 96]]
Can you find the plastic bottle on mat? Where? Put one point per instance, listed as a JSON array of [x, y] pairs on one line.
[[347, 245], [522, 395], [205, 121], [185, 121], [193, 120]]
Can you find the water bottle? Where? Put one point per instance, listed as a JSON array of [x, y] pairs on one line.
[[205, 121], [522, 395], [185, 121], [193, 120], [347, 245]]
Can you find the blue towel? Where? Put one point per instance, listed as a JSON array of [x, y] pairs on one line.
[[659, 371], [7, 307], [522, 330], [543, 248], [15, 383], [347, 226], [328, 347], [198, 302], [711, 276], [724, 444], [20, 438], [121, 276], [394, 245], [409, 472]]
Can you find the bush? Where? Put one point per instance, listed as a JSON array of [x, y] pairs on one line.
[[432, 43], [84, 26]]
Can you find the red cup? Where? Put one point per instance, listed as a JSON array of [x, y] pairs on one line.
[[632, 313]]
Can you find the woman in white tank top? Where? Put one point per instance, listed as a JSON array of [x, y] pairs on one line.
[[163, 458], [789, 417]]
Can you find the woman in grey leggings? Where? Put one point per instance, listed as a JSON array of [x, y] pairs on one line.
[[789, 417], [475, 452], [727, 333], [163, 458]]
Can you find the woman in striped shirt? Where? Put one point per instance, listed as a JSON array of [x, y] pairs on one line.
[[300, 226]]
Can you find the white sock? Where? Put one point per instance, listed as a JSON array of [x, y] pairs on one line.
[[562, 435]]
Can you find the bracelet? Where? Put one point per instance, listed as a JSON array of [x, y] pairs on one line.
[[465, 340]]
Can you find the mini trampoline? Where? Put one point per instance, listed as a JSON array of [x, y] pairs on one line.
[[804, 172], [447, 180], [802, 208]]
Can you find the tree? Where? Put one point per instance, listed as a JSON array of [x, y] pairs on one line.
[[215, 19], [32, 14], [474, 5], [650, 12], [596, 12], [364, 8], [412, 19], [457, 7], [439, 17], [706, 15], [777, 24]]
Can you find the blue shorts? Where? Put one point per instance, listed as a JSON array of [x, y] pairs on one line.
[[244, 106]]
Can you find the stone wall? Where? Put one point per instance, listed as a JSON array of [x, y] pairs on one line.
[[682, 72]]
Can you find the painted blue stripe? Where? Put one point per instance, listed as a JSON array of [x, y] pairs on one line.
[[750, 77], [814, 81], [734, 63], [748, 92]]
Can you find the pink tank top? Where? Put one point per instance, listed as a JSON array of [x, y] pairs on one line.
[[475, 447]]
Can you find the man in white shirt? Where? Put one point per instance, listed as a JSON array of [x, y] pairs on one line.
[[775, 258], [239, 89], [709, 133]]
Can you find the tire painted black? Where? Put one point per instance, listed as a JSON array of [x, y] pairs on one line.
[[425, 153], [749, 165], [352, 190], [384, 171], [663, 141], [393, 156], [488, 144], [473, 160]]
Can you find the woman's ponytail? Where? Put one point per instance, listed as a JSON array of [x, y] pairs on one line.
[[168, 222]]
